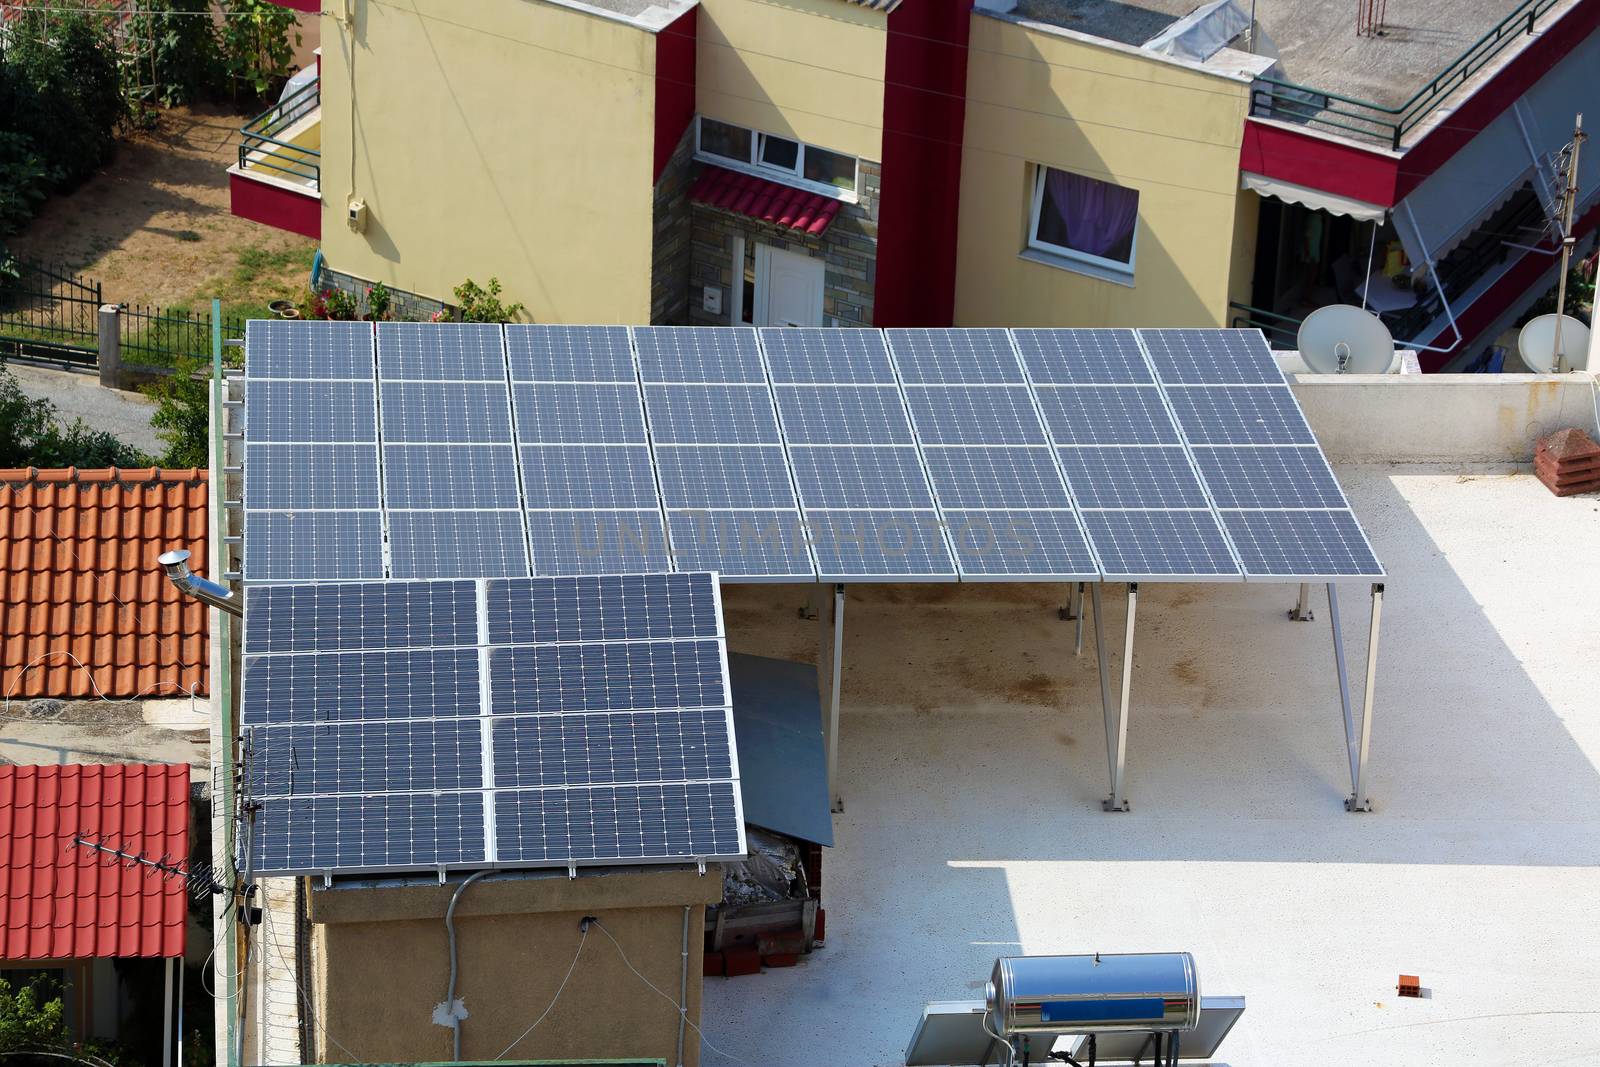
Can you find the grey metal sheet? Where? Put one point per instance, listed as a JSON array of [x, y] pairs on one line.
[[783, 764]]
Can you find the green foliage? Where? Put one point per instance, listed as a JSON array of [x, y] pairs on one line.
[[25, 179], [182, 417], [256, 49], [378, 300], [187, 55], [477, 304], [31, 1016], [33, 435], [59, 88]]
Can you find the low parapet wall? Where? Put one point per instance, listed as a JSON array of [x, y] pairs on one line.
[[1443, 418]]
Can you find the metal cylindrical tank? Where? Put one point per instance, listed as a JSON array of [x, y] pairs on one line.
[[1100, 993]]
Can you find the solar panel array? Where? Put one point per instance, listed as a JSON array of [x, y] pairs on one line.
[[403, 725], [444, 450]]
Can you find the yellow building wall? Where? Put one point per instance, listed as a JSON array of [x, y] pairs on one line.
[[1173, 134], [808, 69], [508, 138]]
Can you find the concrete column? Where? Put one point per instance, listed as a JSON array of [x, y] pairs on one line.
[[109, 332], [1593, 365]]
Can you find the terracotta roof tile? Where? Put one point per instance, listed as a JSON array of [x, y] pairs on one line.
[[58, 901], [768, 201], [78, 576]]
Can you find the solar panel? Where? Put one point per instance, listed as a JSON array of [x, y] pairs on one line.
[[327, 412], [602, 730], [706, 355], [1153, 477], [1291, 477], [1240, 415], [724, 477], [1019, 545], [457, 544], [969, 415], [953, 357], [586, 542], [981, 477], [579, 413], [1082, 357], [769, 545], [276, 348], [450, 476], [887, 545], [861, 477], [843, 415], [588, 477], [1211, 357], [1303, 545], [569, 354], [445, 412], [1171, 545], [716, 414], [441, 352], [811, 356], [311, 545], [285, 477], [1099, 416]]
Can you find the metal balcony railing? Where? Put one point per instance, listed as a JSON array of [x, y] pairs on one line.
[[260, 148], [1282, 331], [1292, 102]]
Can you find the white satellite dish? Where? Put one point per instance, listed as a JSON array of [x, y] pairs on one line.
[[1341, 339], [1537, 341]]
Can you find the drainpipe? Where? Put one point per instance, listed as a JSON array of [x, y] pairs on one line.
[[683, 985], [450, 928], [176, 564]]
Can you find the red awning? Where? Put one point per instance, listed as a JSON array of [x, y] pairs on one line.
[[59, 901], [766, 201]]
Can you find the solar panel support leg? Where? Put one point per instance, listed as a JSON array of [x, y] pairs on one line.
[[833, 656], [1301, 612], [1359, 745], [1077, 630], [1117, 731]]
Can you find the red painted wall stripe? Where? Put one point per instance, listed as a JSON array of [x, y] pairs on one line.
[[310, 7], [675, 85], [275, 206], [1318, 163], [924, 116]]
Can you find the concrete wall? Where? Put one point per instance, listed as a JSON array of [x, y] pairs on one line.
[[1038, 95], [1443, 418], [508, 138], [384, 966], [809, 69]]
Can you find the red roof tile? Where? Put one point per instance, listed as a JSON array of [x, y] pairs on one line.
[[768, 201], [58, 901], [78, 578]]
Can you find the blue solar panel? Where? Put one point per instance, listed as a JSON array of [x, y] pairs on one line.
[[1240, 415], [440, 351], [356, 615], [1046, 544], [298, 477], [1090, 415], [309, 545], [954, 357], [597, 542], [738, 476], [569, 354], [1291, 477], [1137, 545], [846, 476], [457, 544], [987, 415], [435, 477], [1083, 357], [704, 354], [1304, 544], [879, 543], [716, 414], [673, 745], [600, 476], [339, 686], [318, 350], [393, 756], [325, 411], [396, 831], [741, 544], [1153, 477], [627, 607], [983, 478], [627, 676], [579, 414], [818, 355], [844, 415], [1211, 357], [651, 822], [445, 412]]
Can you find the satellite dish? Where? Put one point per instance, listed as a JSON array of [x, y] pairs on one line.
[[1537, 341], [1341, 339]]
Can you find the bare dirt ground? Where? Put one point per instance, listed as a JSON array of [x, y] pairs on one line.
[[155, 228]]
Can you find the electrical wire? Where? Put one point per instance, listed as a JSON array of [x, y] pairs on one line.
[[682, 1009], [305, 998], [99, 694], [583, 937]]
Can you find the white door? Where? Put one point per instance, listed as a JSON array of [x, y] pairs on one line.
[[788, 288]]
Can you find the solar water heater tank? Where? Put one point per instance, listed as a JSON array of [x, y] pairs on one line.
[[1099, 993]]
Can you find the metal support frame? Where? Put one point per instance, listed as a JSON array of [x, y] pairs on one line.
[[166, 1015], [1358, 737], [830, 667], [1116, 723], [1074, 612], [1301, 612]]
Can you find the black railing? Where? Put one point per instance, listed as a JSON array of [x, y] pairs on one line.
[[161, 336], [1282, 331], [1292, 102], [260, 148], [47, 312]]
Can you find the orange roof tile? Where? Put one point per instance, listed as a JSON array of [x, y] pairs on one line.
[[78, 578]]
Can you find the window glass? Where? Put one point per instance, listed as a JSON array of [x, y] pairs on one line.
[[1085, 215], [830, 168], [779, 152], [721, 139]]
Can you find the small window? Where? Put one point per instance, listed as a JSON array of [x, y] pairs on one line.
[[830, 168], [780, 153], [721, 139], [1084, 218]]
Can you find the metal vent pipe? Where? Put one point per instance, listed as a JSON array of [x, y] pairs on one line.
[[176, 564]]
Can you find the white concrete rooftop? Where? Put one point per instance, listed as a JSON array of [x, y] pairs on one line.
[[973, 763]]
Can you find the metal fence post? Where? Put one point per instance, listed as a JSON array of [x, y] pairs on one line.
[[109, 335]]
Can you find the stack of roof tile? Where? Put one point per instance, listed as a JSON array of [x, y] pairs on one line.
[[63, 901], [1568, 462], [79, 580]]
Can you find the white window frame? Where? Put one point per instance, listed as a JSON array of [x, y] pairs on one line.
[[795, 177], [1101, 263]]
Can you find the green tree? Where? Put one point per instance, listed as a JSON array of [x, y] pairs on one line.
[[31, 1017], [59, 88], [257, 48], [33, 435], [183, 415]]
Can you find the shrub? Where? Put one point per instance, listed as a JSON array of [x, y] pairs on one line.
[[25, 179], [182, 417], [59, 87], [33, 435], [477, 304], [378, 300], [255, 43]]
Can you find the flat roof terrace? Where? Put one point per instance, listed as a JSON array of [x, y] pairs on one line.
[[1317, 39], [972, 765]]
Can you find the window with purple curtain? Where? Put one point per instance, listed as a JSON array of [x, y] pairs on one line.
[[1079, 214]]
